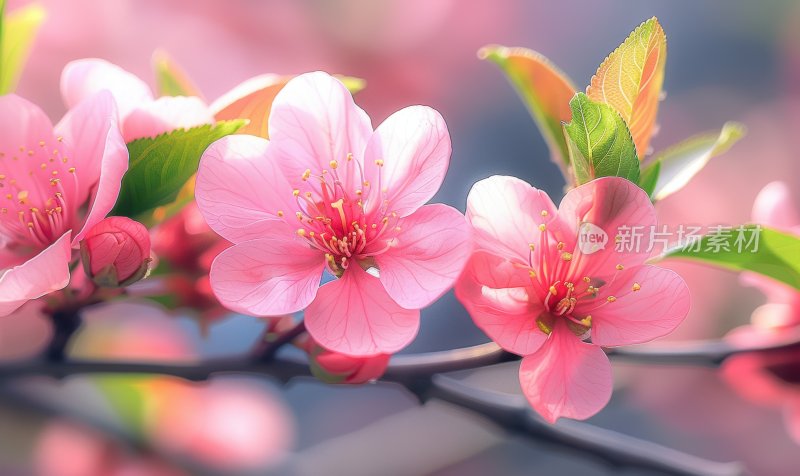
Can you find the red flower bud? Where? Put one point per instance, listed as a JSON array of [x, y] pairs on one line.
[[116, 252], [332, 367]]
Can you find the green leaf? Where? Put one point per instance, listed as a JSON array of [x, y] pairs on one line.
[[774, 254], [17, 32], [544, 89], [159, 167], [649, 177], [127, 397], [171, 79], [599, 142], [684, 160]]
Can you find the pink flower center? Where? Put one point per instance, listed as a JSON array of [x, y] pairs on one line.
[[35, 185], [558, 281], [339, 218]]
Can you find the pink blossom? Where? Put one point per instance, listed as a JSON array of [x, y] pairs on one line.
[[327, 190], [770, 378], [140, 114], [57, 183], [776, 208], [189, 246], [539, 294]]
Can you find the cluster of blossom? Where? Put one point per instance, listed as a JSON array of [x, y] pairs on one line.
[[328, 193]]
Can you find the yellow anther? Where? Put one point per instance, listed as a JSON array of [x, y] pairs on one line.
[[301, 232], [531, 246], [333, 164], [43, 166], [566, 256], [280, 213], [544, 213], [636, 287], [560, 245], [532, 273], [553, 290], [587, 321], [71, 170], [379, 162], [542, 227], [22, 196], [349, 156], [296, 192], [620, 267], [587, 279], [611, 299], [306, 174]]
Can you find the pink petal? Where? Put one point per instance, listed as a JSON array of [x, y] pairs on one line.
[[99, 155], [775, 207], [653, 311], [44, 273], [267, 277], [85, 77], [506, 213], [25, 332], [314, 121], [23, 124], [429, 254], [354, 315], [493, 290], [240, 190], [610, 203], [566, 377], [166, 114], [414, 145]]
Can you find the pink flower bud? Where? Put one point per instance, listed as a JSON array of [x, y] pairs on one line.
[[332, 367], [116, 252]]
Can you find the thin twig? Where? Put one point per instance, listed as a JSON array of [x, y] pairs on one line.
[[615, 449], [266, 349]]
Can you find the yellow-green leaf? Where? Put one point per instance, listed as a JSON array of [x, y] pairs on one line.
[[753, 248], [684, 160], [252, 100], [599, 142], [545, 90], [630, 80], [18, 29], [171, 79]]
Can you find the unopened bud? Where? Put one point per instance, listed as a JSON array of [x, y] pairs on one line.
[[116, 252], [332, 367]]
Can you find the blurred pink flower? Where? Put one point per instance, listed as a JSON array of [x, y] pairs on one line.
[[327, 189], [189, 246], [538, 292], [131, 330], [67, 449], [116, 252], [140, 114], [228, 424], [771, 378], [775, 207], [58, 183]]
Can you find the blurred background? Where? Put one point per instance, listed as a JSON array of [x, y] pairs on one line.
[[727, 60]]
